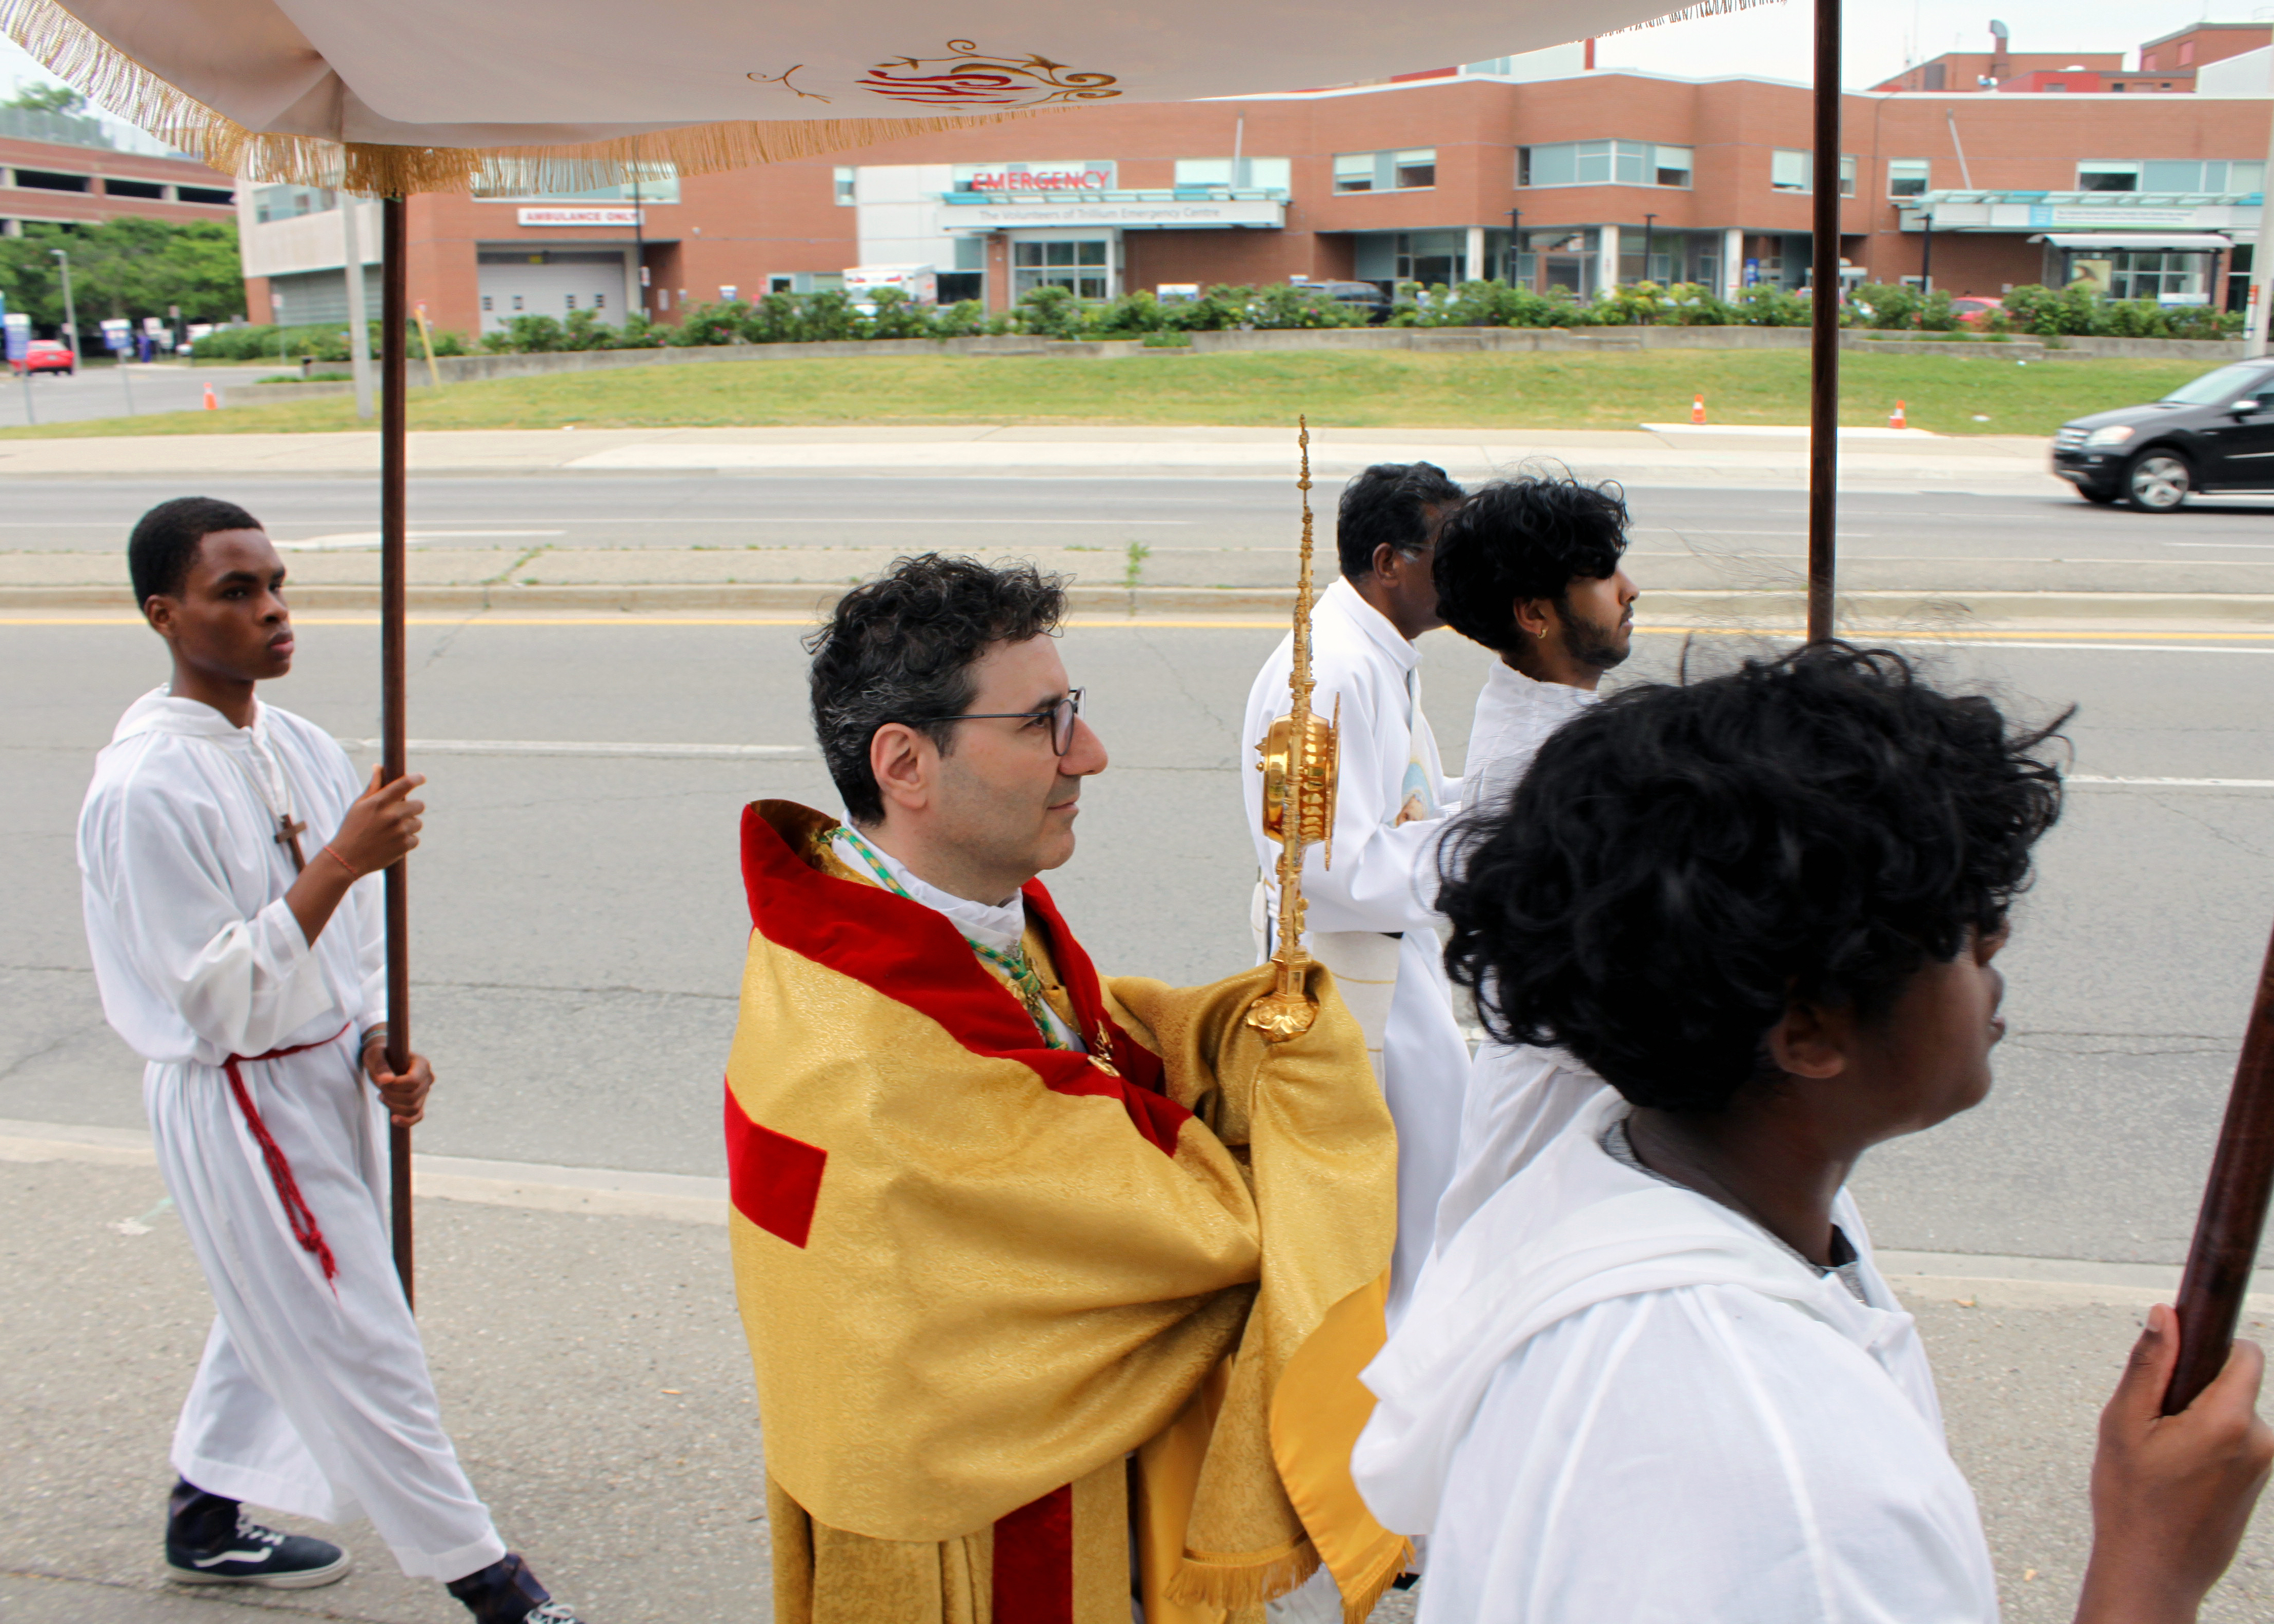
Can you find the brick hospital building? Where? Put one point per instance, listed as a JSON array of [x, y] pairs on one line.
[[1539, 169]]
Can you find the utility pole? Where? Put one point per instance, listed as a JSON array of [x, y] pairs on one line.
[[70, 315], [1926, 252], [1649, 235], [2262, 255], [359, 320], [1515, 242]]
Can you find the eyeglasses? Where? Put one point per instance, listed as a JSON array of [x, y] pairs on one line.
[[1061, 712]]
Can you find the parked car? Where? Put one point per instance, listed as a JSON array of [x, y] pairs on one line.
[[1367, 295], [45, 355], [1974, 310], [2214, 434]]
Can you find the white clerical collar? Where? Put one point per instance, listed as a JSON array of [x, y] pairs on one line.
[[1351, 603], [1001, 928]]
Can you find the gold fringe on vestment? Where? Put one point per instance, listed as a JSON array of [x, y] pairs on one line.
[[118, 83]]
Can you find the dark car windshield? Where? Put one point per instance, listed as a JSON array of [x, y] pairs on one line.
[[2217, 388]]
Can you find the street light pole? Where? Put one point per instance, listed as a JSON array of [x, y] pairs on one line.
[[1515, 242], [70, 315], [1649, 236]]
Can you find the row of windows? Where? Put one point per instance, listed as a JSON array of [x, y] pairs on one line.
[[2170, 175], [600, 302], [46, 180], [1410, 169], [1601, 163]]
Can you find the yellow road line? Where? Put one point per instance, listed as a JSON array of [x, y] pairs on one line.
[[1154, 623]]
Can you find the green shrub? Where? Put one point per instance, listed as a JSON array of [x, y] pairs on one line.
[[964, 318], [897, 315], [1219, 310], [1168, 340], [1048, 312], [1131, 314], [2078, 311], [1291, 304], [709, 324]]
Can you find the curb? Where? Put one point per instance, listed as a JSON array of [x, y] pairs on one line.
[[1906, 609]]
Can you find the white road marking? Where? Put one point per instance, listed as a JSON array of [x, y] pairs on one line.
[[2081, 777], [2267, 545], [577, 747], [347, 539]]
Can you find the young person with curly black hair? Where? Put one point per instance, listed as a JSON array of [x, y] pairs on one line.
[[1529, 568], [1658, 1376], [1370, 919], [1003, 1226]]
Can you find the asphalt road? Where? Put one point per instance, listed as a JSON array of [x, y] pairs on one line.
[[580, 925], [97, 390], [1166, 515]]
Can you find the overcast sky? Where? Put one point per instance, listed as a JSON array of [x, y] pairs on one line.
[[1773, 40]]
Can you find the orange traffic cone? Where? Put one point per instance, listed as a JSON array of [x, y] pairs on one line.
[[1697, 409], [1895, 421], [211, 403]]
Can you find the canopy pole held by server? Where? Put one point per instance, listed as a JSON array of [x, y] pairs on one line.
[[1823, 320], [2225, 1246], [395, 314]]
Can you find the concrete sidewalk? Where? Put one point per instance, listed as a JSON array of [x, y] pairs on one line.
[[1872, 459], [592, 1373]]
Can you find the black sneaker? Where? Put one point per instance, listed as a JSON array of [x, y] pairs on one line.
[[505, 1592], [248, 1553]]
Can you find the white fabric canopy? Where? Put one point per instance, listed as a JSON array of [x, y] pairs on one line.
[[529, 74]]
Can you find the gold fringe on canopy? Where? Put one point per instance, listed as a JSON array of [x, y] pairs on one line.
[[1691, 13], [118, 83]]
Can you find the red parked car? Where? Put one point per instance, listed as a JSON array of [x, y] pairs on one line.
[[45, 355], [1974, 311]]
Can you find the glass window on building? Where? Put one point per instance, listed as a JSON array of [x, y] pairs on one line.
[[1081, 267], [1556, 165], [1671, 166], [1603, 163], [1414, 169], [2104, 174], [1247, 174], [653, 183], [847, 179], [1790, 170], [2177, 277], [290, 202], [1848, 176], [1354, 171], [1909, 177]]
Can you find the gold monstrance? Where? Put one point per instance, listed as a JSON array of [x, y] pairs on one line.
[[1298, 758]]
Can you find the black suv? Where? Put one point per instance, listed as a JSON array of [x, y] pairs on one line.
[[2214, 434]]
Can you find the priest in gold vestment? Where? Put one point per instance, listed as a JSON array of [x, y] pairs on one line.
[[1057, 1287]]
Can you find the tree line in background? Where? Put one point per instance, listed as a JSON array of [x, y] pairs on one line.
[[1054, 312], [127, 267]]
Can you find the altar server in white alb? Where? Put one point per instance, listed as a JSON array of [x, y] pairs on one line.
[[1657, 1377], [1372, 914], [1529, 568], [226, 850]]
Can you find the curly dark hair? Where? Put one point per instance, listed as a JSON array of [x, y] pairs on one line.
[[1399, 503], [1684, 861], [900, 649], [1519, 538], [165, 541]]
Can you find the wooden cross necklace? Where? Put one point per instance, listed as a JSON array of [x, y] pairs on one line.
[[287, 836]]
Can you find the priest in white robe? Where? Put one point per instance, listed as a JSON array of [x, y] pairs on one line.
[[1656, 1377], [1529, 568], [1372, 915], [228, 857]]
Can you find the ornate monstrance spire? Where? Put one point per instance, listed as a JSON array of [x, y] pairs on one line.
[[1298, 758]]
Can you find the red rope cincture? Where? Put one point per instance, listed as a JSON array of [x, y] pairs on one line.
[[296, 1212]]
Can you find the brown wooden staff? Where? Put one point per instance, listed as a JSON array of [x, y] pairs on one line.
[[2225, 1247], [395, 316], [1824, 338]]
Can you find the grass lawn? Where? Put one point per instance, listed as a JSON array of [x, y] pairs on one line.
[[1944, 394]]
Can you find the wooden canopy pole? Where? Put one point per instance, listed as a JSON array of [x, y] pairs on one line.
[[1823, 322], [395, 314], [2225, 1246]]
